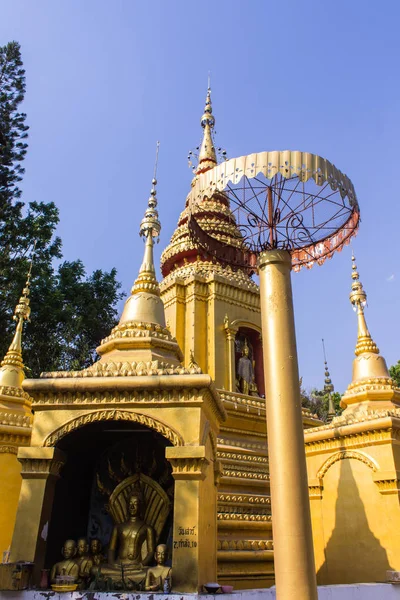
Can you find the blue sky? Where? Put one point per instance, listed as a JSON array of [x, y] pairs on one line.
[[105, 80]]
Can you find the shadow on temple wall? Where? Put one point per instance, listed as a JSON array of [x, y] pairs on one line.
[[353, 554]]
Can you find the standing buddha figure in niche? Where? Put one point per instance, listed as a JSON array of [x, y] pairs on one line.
[[245, 371], [125, 561], [68, 566]]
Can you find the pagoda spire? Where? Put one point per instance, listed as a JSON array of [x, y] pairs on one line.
[[12, 367], [371, 387], [141, 336], [150, 228], [328, 388], [358, 298], [207, 155], [144, 303]]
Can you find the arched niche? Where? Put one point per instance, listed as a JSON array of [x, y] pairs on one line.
[[252, 334], [100, 456]]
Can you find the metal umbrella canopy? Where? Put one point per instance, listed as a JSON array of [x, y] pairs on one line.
[[287, 200]]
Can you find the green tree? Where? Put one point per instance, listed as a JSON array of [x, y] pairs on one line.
[[394, 372], [13, 131], [71, 312]]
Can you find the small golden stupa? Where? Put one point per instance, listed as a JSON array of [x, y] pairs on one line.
[[15, 423], [353, 466]]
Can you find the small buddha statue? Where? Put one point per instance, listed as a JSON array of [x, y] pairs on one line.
[[245, 370], [85, 562], [96, 554], [68, 566], [125, 562], [157, 575]]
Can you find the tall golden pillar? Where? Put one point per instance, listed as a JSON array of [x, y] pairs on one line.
[[293, 545]]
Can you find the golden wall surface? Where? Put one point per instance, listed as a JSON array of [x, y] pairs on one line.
[[15, 431], [353, 476]]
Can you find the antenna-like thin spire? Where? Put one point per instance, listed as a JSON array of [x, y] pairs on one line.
[[328, 388], [156, 164]]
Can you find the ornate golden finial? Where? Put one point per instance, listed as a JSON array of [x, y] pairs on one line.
[[207, 155], [358, 298], [150, 228], [328, 388], [12, 367], [144, 304], [371, 384]]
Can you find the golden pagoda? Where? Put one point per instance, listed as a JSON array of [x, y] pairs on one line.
[[173, 416], [353, 466]]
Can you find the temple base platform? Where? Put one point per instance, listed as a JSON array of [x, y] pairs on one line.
[[361, 591]]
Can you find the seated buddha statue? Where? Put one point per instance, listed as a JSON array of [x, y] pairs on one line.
[[125, 561], [96, 553], [85, 562], [157, 575], [68, 566]]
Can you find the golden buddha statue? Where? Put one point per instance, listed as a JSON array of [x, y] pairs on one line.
[[245, 370], [84, 561], [69, 566], [96, 554], [126, 564], [157, 575]]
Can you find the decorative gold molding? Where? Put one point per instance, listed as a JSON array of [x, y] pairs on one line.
[[243, 517], [189, 468], [351, 440], [6, 390], [238, 458], [244, 472], [16, 420], [126, 369], [237, 545], [244, 510], [245, 499], [346, 454], [361, 416], [243, 445], [113, 415], [140, 396], [41, 466], [388, 486], [315, 491], [16, 439], [8, 449]]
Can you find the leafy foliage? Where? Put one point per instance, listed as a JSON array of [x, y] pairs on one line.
[[394, 372], [71, 312]]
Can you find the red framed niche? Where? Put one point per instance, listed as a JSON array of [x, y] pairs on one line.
[[254, 343]]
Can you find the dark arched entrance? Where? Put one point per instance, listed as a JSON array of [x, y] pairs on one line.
[[99, 456]]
